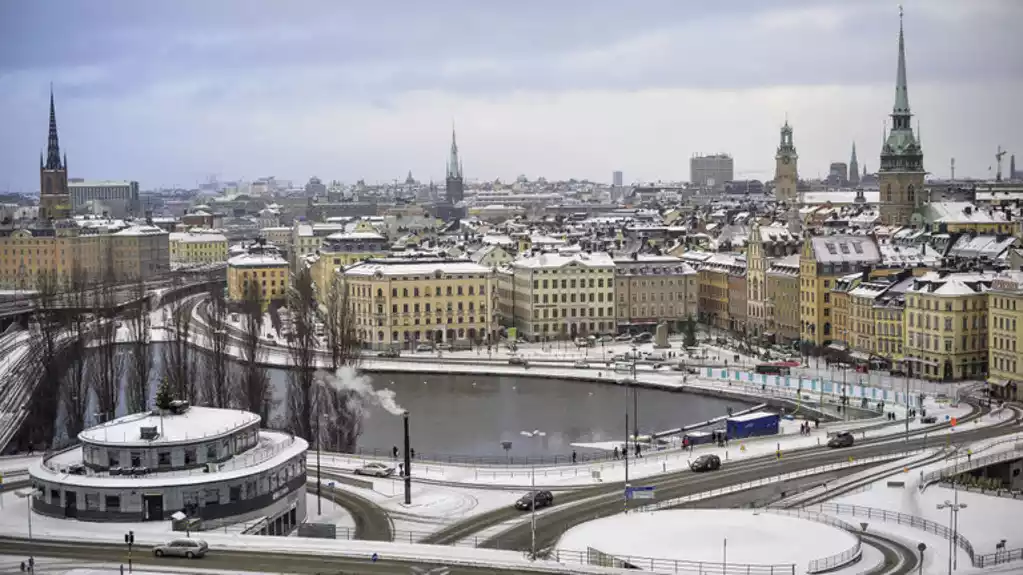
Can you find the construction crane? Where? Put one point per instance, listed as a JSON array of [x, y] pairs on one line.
[[998, 162]]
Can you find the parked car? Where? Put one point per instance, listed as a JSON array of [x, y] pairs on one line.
[[444, 346], [606, 338], [538, 498], [389, 353], [708, 462], [644, 337], [375, 470], [624, 337], [188, 548], [516, 360], [929, 419], [580, 365], [841, 439], [424, 348]]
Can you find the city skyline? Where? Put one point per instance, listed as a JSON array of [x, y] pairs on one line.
[[246, 93]]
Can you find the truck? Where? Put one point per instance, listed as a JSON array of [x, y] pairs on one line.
[[752, 424]]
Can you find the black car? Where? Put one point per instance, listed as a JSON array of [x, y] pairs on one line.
[[389, 353], [541, 499], [708, 462], [929, 419], [841, 439]]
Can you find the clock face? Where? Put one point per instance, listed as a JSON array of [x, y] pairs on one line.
[[785, 160]]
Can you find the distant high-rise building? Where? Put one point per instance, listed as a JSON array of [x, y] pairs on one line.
[[712, 171], [854, 168], [786, 171], [617, 179], [838, 174], [54, 200], [1012, 168], [120, 198], [455, 184], [901, 176], [315, 188]]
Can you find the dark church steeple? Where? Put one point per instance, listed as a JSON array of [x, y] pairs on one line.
[[53, 142]]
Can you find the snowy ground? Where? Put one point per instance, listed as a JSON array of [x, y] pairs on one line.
[[333, 514], [712, 536]]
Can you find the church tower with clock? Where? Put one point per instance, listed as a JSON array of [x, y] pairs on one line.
[[786, 174]]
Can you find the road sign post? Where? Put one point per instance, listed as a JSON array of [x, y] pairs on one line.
[[641, 492]]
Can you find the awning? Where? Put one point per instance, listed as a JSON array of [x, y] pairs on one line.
[[998, 382], [837, 346], [859, 355]]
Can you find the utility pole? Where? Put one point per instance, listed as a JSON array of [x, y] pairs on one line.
[[953, 523], [408, 462]]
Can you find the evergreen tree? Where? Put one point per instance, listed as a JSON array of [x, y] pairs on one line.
[[689, 330], [163, 395]]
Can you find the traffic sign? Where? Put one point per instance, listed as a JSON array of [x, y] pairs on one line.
[[642, 492]]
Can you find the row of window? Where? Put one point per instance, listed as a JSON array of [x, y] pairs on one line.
[[427, 335], [966, 305], [1005, 364], [1004, 303], [571, 283], [924, 321], [1005, 323], [571, 312], [566, 328], [640, 311], [1004, 343], [570, 298], [426, 307], [672, 296], [927, 341]]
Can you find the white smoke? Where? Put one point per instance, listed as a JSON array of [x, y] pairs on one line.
[[348, 379]]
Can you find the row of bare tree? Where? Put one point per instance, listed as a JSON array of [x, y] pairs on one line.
[[86, 376]]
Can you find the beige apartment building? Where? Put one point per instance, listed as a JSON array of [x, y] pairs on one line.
[[654, 288], [783, 300], [1005, 335], [556, 296]]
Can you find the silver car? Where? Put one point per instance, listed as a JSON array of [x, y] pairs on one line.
[[188, 548], [375, 470]]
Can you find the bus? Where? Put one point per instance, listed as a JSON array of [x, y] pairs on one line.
[[773, 369]]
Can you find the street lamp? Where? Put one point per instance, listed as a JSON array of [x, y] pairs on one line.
[[953, 524], [536, 433], [129, 539], [28, 494], [921, 547]]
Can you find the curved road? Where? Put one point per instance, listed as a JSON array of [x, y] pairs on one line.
[[371, 521], [607, 500]]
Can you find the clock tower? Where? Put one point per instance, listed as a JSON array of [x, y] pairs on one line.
[[786, 174]]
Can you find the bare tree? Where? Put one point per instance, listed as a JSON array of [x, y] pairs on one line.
[[302, 385], [107, 367], [141, 361], [75, 387], [254, 390], [343, 426], [178, 359], [218, 384], [339, 324], [46, 353]]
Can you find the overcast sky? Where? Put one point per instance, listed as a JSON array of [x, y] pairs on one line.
[[169, 93]]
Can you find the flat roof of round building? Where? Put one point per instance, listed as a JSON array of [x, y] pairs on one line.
[[195, 425]]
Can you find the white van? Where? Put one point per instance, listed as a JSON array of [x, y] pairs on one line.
[[623, 367]]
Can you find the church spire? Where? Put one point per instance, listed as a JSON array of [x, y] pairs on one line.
[[454, 165], [901, 87], [53, 143]]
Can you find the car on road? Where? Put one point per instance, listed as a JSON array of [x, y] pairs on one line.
[[580, 365], [929, 419], [375, 470], [537, 498], [644, 337], [516, 360], [606, 338], [708, 462], [389, 353], [424, 348], [624, 337], [187, 548], [841, 439]]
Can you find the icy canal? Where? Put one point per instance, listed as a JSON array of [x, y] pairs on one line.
[[465, 415]]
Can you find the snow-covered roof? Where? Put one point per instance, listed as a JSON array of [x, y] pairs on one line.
[[559, 260], [837, 197], [356, 236], [196, 238], [257, 260], [195, 425], [954, 284], [141, 230], [835, 249], [405, 268]]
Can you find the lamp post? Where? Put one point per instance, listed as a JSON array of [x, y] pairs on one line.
[[28, 495], [319, 482], [953, 523], [536, 433], [129, 539], [921, 547]]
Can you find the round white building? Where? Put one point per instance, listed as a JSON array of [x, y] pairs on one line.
[[215, 465]]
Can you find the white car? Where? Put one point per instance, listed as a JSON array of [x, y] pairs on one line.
[[580, 365], [187, 548], [375, 470]]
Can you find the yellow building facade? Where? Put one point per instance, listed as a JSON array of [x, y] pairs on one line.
[[1005, 335], [783, 299], [197, 248], [400, 303], [338, 251], [261, 268], [823, 260], [947, 325]]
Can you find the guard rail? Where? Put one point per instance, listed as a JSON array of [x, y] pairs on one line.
[[830, 562]]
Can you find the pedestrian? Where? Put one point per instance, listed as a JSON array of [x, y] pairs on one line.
[[616, 452], [639, 452], [412, 453], [401, 470], [394, 452], [573, 456], [816, 423]]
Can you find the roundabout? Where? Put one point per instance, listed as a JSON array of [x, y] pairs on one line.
[[764, 542]]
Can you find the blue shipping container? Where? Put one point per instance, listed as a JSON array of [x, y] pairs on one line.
[[752, 424]]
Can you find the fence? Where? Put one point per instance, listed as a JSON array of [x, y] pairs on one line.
[[594, 557], [815, 385], [998, 557], [969, 465], [894, 517], [676, 501], [832, 561]]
